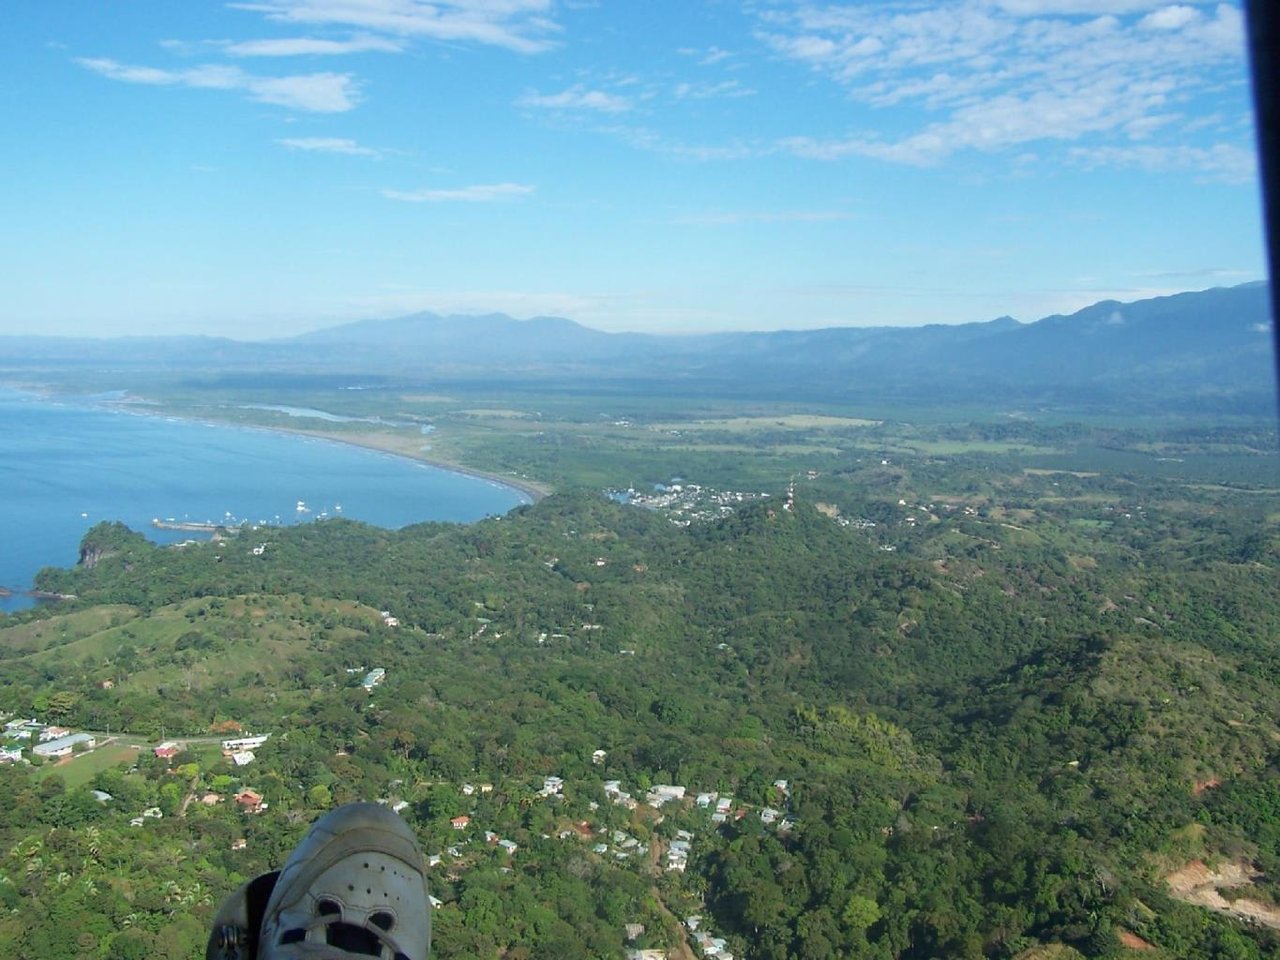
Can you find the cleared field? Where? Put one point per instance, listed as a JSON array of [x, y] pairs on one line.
[[78, 770], [793, 421], [64, 629], [1037, 472], [487, 413], [956, 447]]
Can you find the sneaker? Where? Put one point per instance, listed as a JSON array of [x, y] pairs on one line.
[[354, 887]]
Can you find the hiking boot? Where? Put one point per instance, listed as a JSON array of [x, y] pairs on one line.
[[354, 887]]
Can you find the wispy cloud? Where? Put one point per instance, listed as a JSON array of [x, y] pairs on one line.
[[992, 75], [1200, 273], [645, 138], [708, 57], [711, 91], [311, 46], [576, 97], [1042, 8], [478, 193], [1224, 162], [328, 145], [732, 218], [524, 26], [310, 92]]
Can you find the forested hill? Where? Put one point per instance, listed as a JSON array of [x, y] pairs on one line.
[[966, 758], [1207, 350]]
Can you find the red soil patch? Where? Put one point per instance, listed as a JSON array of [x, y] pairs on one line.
[[1132, 941]]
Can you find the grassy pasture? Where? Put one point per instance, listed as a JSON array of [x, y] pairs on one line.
[[78, 769]]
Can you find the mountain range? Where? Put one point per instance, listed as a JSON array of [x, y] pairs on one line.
[[1208, 350]]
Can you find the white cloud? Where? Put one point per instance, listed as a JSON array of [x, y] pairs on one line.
[[520, 25], [328, 145], [311, 92], [576, 97], [706, 58], [643, 138], [310, 46], [1222, 162], [710, 91], [996, 75], [479, 193], [1041, 8], [732, 218], [1201, 273], [1169, 18]]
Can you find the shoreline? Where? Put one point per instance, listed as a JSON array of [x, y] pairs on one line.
[[144, 407], [529, 488]]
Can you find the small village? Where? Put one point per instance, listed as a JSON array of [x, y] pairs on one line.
[[27, 738], [685, 503]]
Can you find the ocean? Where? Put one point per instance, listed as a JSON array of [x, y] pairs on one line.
[[68, 464]]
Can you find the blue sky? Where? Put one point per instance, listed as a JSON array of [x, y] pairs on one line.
[[265, 167]]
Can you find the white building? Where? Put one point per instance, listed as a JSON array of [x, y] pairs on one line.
[[245, 743], [63, 746], [664, 793]]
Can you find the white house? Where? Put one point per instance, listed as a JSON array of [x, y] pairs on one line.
[[63, 746], [662, 793], [245, 743]]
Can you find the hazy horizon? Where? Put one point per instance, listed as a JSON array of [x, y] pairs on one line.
[[269, 337]]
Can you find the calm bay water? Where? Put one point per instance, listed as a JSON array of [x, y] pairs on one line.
[[65, 466]]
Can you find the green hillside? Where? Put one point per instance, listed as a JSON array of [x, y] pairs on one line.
[[980, 757]]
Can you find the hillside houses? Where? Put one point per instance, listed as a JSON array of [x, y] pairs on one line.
[[709, 945], [663, 793], [678, 852], [613, 790]]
